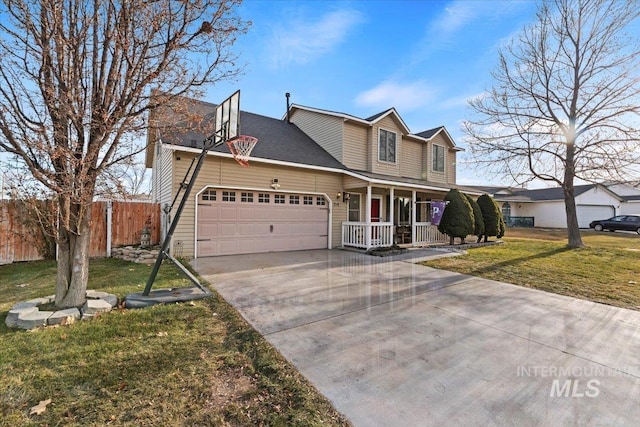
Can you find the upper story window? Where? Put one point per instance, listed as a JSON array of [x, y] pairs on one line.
[[386, 146], [438, 158]]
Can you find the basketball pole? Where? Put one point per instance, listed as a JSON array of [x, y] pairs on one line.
[[187, 186]]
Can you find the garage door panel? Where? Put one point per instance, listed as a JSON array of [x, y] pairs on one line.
[[588, 213], [227, 212], [245, 213], [235, 227]]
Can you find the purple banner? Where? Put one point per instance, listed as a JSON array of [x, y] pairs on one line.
[[437, 208]]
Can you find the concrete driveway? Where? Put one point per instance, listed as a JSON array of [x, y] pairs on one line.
[[393, 343]]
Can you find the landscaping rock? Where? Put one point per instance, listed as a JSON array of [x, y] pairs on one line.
[[95, 306], [91, 294], [24, 304], [26, 315], [67, 316], [12, 317], [33, 320], [38, 301], [135, 254], [111, 299]]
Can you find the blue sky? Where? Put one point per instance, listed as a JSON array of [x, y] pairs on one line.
[[425, 58]]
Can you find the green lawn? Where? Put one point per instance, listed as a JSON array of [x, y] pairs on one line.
[[187, 364], [606, 271]]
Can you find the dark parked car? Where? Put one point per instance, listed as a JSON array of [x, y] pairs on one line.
[[620, 222]]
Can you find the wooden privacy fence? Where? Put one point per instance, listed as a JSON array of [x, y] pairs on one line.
[[114, 224], [16, 240]]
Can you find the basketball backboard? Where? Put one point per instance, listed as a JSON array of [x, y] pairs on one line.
[[228, 119]]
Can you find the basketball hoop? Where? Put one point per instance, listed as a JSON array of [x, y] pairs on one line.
[[241, 147]]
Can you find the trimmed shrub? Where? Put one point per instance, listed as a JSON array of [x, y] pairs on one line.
[[494, 224], [478, 225], [457, 218]]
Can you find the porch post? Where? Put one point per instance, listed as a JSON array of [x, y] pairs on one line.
[[414, 206], [367, 216], [390, 207]]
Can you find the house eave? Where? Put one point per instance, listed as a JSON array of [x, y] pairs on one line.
[[377, 181]]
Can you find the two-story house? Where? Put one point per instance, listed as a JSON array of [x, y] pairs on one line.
[[317, 179]]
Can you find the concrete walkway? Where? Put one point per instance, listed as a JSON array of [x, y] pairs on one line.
[[393, 343]]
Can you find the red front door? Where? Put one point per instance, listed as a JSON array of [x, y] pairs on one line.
[[375, 217], [375, 210]]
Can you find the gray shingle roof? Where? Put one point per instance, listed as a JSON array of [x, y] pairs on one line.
[[277, 140], [555, 193], [426, 134], [380, 114]]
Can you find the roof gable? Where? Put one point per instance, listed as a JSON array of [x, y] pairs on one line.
[[370, 121], [391, 112], [440, 130]]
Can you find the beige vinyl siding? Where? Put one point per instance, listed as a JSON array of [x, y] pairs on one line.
[[356, 147], [386, 168], [451, 162], [352, 182], [411, 164], [226, 172], [324, 129]]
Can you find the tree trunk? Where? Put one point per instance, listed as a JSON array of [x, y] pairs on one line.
[[73, 255], [451, 241], [573, 231]]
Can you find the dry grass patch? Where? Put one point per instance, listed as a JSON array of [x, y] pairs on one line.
[[605, 271], [186, 364]]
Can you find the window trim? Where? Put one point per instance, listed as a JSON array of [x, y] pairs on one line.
[[434, 159], [395, 151], [353, 198]]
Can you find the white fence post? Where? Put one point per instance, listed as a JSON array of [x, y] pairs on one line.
[[109, 219]]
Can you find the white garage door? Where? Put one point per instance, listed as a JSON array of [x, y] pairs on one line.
[[245, 222], [588, 213]]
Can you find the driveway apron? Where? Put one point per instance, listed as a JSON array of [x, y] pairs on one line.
[[394, 343]]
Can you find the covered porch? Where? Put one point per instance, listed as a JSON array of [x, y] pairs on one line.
[[383, 215]]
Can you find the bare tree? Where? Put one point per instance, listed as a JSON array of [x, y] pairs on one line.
[[75, 84], [565, 103]]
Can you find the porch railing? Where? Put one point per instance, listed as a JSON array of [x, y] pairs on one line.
[[427, 233], [381, 234], [367, 235]]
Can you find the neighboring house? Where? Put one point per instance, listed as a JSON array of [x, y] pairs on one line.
[[317, 179], [545, 207]]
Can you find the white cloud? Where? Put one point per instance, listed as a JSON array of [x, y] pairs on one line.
[[458, 101], [454, 17], [300, 41], [403, 96]]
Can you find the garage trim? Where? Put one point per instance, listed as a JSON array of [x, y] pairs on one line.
[[257, 189]]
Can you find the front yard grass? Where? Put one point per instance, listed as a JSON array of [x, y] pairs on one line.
[[606, 271], [187, 364]]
